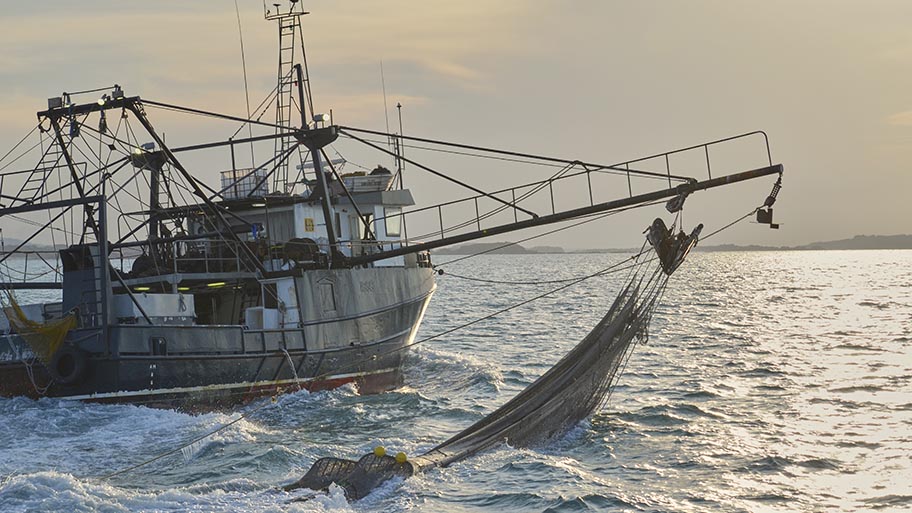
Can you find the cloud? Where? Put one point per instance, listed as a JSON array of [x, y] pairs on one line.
[[358, 108], [435, 45], [900, 118]]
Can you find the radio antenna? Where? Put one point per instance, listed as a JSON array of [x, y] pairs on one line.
[[389, 140], [237, 11]]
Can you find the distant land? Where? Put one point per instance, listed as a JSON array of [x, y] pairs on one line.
[[510, 248], [857, 242]]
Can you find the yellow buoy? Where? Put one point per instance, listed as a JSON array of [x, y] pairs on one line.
[[401, 457], [379, 451]]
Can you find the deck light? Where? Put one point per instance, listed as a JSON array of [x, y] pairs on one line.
[[216, 284], [142, 289], [183, 289], [258, 205]]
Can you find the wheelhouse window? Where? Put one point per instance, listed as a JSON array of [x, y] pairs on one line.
[[393, 220]]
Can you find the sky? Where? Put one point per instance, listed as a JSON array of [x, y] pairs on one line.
[[830, 82]]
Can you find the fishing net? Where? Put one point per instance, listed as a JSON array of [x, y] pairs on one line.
[[44, 338], [570, 391], [357, 478]]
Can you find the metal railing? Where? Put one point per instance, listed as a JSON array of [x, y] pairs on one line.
[[523, 194]]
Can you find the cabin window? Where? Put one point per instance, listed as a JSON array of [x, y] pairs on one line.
[[338, 226], [355, 225], [393, 220], [281, 226]]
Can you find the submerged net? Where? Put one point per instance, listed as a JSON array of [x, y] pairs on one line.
[[44, 338], [357, 478]]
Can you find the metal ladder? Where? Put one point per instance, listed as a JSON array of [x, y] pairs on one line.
[[288, 28], [34, 184]]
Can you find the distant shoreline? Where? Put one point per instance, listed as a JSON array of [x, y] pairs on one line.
[[859, 242]]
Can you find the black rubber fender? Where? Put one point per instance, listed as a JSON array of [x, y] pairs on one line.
[[68, 366]]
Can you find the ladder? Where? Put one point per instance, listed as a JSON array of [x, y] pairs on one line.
[[286, 80], [291, 52], [34, 184]]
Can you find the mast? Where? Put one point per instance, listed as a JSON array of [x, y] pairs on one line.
[[321, 177], [292, 73], [291, 52]]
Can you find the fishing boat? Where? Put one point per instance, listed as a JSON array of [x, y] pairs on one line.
[[157, 288]]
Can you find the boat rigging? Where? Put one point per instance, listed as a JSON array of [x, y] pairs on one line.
[[293, 270]]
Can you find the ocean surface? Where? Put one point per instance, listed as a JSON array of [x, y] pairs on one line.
[[774, 381]]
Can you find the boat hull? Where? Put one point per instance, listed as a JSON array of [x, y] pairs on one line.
[[364, 341]]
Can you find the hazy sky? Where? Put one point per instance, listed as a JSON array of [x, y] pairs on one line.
[[829, 81]]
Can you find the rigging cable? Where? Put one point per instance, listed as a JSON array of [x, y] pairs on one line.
[[616, 169], [8, 164], [549, 232], [515, 154]]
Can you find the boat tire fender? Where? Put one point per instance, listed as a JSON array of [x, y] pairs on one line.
[[68, 366]]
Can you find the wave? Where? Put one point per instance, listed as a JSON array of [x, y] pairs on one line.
[[53, 491], [888, 501], [774, 463], [857, 388]]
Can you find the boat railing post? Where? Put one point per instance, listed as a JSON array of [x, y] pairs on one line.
[[629, 184], [440, 218], [589, 182], [477, 214], [708, 168], [551, 190], [404, 239], [668, 169], [515, 211]]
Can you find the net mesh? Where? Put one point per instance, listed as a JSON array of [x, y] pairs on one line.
[[44, 338], [570, 391]]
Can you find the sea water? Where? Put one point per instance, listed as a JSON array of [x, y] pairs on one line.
[[773, 381]]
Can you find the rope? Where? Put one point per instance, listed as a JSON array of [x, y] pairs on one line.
[[7, 154], [729, 225], [187, 445], [593, 169], [545, 282], [591, 219]]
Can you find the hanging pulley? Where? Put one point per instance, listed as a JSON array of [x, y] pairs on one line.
[[765, 215]]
